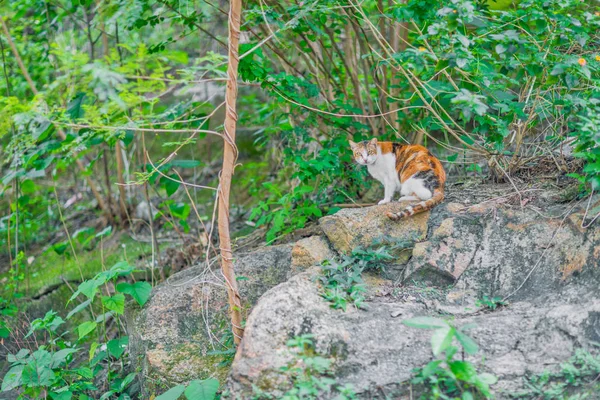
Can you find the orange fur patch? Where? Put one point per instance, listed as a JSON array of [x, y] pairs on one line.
[[410, 160]]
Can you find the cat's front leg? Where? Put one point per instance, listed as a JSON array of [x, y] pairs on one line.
[[388, 189]]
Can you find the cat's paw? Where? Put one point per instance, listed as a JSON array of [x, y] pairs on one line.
[[384, 201]]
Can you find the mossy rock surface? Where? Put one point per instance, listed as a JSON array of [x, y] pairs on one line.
[[50, 270]]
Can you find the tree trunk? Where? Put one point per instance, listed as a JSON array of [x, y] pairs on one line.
[[229, 158]]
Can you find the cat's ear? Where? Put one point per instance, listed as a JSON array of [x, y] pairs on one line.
[[374, 141], [352, 144]]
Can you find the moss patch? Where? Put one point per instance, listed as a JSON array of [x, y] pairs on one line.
[[182, 364], [51, 270]]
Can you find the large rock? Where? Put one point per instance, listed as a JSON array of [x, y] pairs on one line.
[[310, 251], [363, 227], [494, 251], [547, 264], [182, 331], [376, 353], [483, 249]]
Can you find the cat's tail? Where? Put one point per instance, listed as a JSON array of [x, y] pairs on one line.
[[437, 198]]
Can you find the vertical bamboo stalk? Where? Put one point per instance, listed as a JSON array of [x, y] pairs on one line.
[[229, 157]]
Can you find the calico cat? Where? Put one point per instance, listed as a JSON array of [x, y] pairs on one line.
[[409, 169]]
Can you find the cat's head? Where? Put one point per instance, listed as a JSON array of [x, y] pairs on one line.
[[365, 152]]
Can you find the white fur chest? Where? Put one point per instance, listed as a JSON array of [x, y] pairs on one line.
[[384, 170]]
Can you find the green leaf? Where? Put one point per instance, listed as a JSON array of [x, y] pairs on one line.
[[467, 396], [116, 347], [559, 69], [79, 308], [74, 106], [102, 317], [84, 372], [35, 374], [107, 395], [28, 187], [586, 72], [67, 395], [186, 163], [60, 356], [12, 379], [488, 379], [463, 370], [140, 291], [86, 328], [202, 390], [441, 339], [127, 381], [467, 140], [425, 323], [89, 288], [93, 348], [171, 185], [60, 248], [104, 232], [172, 394], [430, 368], [20, 357], [4, 332], [122, 268], [467, 343], [303, 189], [115, 303]]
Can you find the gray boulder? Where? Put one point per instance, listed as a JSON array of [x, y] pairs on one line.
[[376, 353], [487, 250], [547, 265], [182, 333]]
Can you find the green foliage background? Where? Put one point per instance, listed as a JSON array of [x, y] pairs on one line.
[[490, 86]]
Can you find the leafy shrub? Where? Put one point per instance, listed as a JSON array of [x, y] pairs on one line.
[[509, 84], [445, 377], [587, 143], [8, 301], [64, 366]]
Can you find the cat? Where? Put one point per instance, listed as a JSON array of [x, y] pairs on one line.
[[409, 169]]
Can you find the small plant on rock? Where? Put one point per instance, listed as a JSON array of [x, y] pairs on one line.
[[311, 373], [447, 377], [491, 303], [195, 390], [343, 283], [342, 279], [576, 380]]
